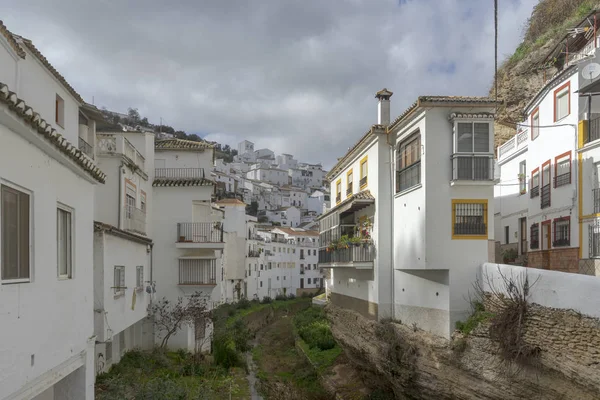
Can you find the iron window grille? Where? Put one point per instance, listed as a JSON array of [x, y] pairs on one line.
[[562, 228], [534, 235], [594, 239], [470, 219]]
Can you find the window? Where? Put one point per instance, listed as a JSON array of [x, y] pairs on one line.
[[349, 180], [469, 219], [594, 232], [130, 195], [408, 163], [534, 234], [139, 277], [309, 281], [60, 111], [261, 267], [260, 283], [522, 177], [562, 170], [64, 249], [535, 123], [545, 191], [338, 191], [277, 277], [119, 280], [506, 235], [363, 172], [534, 186], [473, 137], [15, 220], [562, 232], [284, 277], [143, 201], [562, 99]]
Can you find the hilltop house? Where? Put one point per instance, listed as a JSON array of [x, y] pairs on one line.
[[407, 230]]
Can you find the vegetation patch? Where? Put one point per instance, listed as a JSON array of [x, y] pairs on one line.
[[479, 315], [166, 375]]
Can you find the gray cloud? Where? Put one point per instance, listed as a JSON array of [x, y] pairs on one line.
[[296, 76]]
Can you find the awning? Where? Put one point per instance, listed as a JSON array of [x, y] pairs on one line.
[[353, 203]]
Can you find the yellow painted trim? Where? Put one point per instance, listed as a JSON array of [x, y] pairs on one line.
[[340, 192], [597, 215], [363, 161], [348, 182], [485, 219], [580, 134]]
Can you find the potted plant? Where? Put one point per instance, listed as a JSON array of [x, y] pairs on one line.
[[509, 255]]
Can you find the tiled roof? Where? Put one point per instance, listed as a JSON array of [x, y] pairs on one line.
[[421, 100], [181, 144], [102, 227], [11, 40], [169, 182], [33, 119], [231, 202], [31, 47], [552, 82], [472, 116], [364, 195], [293, 232]]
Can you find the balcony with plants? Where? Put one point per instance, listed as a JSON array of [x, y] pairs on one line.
[[349, 246]]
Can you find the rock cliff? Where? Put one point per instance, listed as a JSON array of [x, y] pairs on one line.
[[416, 365], [522, 74]]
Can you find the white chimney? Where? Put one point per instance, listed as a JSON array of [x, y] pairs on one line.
[[383, 108]]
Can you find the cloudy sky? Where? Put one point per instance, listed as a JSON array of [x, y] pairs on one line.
[[297, 76]]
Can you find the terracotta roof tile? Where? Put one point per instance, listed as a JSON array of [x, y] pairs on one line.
[[293, 232], [102, 227], [231, 202], [181, 144], [11, 40], [482, 115], [364, 195], [33, 119], [174, 182], [31, 47]]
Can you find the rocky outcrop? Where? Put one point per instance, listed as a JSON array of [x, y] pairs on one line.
[[417, 365]]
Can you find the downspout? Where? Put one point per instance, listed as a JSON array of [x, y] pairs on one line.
[[392, 193], [151, 268], [119, 224]]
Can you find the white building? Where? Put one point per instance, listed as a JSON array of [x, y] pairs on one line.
[[46, 228], [275, 176], [423, 227], [265, 155], [188, 246], [286, 216], [318, 202], [122, 244], [296, 196], [245, 147]]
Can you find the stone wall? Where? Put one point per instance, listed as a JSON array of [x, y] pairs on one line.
[[417, 365], [565, 260]]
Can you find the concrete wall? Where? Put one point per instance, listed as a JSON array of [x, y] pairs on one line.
[[27, 358], [187, 159]]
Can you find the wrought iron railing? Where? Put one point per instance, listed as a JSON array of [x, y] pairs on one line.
[[338, 198], [472, 167], [363, 181], [349, 190], [563, 179], [361, 252], [86, 148], [545, 197], [135, 219], [200, 232], [534, 191], [179, 173], [408, 177], [253, 253], [197, 272], [594, 131], [596, 194]]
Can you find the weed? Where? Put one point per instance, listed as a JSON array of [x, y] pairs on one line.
[[266, 300], [478, 316]]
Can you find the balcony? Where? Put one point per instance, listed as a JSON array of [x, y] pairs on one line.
[[109, 144], [513, 145], [200, 235], [349, 190], [534, 191], [596, 194], [471, 167], [338, 197], [135, 219], [86, 148], [360, 256], [197, 272], [545, 197], [253, 253], [594, 131], [363, 182], [174, 173], [562, 180]]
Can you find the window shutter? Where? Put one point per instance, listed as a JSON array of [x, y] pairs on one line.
[[482, 137]]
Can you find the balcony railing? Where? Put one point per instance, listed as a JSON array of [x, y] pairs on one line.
[[361, 253], [253, 253], [594, 131], [561, 180], [349, 190], [86, 148], [534, 191], [545, 201], [179, 173], [118, 144], [470, 167], [135, 219], [197, 272], [199, 232], [596, 194], [363, 181], [338, 197], [517, 142]]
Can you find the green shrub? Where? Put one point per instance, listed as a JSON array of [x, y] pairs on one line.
[[317, 334], [479, 315], [291, 296], [266, 300], [224, 352], [281, 297], [241, 335], [243, 304]]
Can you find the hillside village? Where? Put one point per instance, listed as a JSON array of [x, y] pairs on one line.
[[441, 254]]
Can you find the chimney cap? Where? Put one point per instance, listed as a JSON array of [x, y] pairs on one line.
[[384, 94]]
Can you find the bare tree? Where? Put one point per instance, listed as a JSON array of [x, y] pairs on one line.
[[169, 317]]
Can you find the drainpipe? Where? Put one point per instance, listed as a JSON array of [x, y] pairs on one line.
[[120, 194], [392, 192], [151, 267]]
